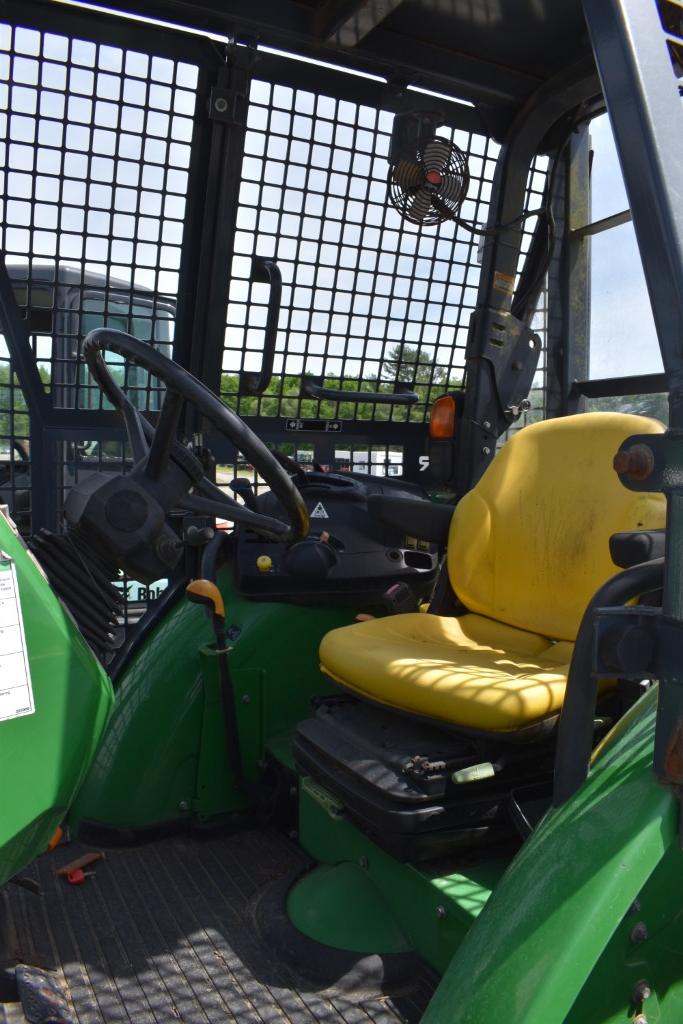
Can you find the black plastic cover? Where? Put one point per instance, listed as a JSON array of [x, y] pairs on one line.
[[350, 555], [423, 519], [627, 549]]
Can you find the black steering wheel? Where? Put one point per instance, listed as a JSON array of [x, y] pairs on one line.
[[157, 453]]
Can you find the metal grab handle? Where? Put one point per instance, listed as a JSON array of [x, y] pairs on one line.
[[265, 272], [615, 387], [575, 728], [312, 387]]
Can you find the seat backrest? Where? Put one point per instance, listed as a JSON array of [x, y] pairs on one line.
[[529, 544]]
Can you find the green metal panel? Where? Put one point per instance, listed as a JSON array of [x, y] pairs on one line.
[[44, 756], [216, 792], [341, 906], [433, 907], [567, 893], [163, 756]]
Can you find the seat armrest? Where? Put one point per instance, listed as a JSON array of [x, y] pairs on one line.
[[629, 549], [422, 519]]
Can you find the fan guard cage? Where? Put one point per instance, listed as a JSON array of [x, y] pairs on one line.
[[431, 189]]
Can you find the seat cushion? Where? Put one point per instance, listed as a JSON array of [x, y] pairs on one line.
[[471, 671]]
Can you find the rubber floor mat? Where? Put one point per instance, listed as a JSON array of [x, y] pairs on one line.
[[164, 933]]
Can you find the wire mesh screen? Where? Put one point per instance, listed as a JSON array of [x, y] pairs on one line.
[[95, 145], [96, 152], [369, 300], [15, 459]]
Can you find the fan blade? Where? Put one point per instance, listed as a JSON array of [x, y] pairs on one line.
[[436, 156], [407, 175], [420, 206], [452, 188], [442, 211]]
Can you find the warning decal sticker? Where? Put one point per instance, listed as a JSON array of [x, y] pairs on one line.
[[16, 692], [319, 512], [504, 282]]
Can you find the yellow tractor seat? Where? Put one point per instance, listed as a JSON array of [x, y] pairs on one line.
[[528, 547]]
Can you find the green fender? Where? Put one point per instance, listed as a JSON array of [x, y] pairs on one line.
[[44, 756], [571, 887]]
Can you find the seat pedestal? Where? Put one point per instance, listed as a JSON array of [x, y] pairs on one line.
[[418, 790]]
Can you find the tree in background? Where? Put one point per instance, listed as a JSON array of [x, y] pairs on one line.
[[403, 363], [408, 364]]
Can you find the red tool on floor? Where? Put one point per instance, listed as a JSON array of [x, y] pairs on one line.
[[78, 876]]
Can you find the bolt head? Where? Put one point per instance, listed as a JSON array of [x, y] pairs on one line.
[[183, 805], [220, 104], [641, 992], [440, 912], [636, 462], [639, 933], [486, 450], [246, 699]]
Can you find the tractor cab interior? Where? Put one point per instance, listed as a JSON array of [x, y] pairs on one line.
[[338, 569]]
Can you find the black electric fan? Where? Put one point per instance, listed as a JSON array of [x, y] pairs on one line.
[[428, 175]]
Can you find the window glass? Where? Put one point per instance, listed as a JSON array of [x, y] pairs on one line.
[[608, 195], [622, 331], [135, 320], [656, 406]]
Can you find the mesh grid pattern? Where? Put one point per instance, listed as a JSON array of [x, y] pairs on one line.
[[368, 299], [95, 144], [94, 150], [15, 464], [95, 157], [93, 190]]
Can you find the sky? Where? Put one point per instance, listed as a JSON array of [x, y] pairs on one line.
[[623, 337]]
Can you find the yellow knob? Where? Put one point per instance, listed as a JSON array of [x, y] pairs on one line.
[[206, 592], [264, 563]]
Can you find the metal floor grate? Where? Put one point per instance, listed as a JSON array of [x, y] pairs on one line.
[[164, 932]]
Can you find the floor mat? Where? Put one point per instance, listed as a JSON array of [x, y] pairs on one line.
[[163, 933]]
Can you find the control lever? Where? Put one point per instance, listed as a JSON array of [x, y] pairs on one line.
[[207, 594], [243, 489]]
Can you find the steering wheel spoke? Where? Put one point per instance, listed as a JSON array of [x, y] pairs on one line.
[[135, 429], [209, 489], [164, 435]]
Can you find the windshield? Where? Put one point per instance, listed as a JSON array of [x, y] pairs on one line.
[[143, 321]]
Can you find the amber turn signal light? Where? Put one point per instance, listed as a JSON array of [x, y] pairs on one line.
[[442, 418]]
